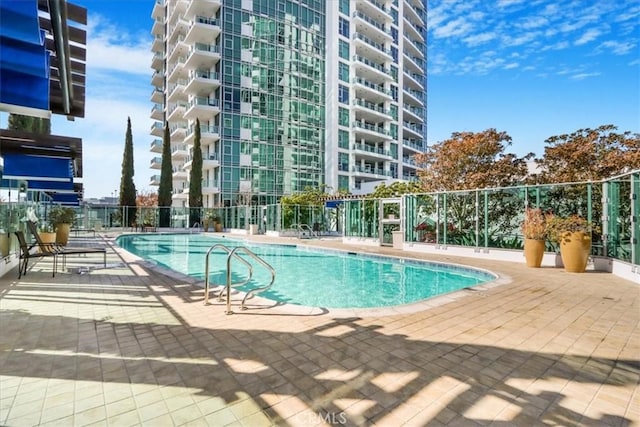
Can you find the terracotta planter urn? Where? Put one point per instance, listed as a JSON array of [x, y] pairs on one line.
[[574, 250], [533, 252]]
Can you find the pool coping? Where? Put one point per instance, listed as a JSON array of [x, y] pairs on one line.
[[277, 307]]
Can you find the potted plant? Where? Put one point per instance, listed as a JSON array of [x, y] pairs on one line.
[[47, 233], [573, 235], [534, 231], [217, 224], [62, 218]]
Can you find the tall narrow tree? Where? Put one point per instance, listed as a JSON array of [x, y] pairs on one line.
[[127, 186], [195, 178], [166, 180]]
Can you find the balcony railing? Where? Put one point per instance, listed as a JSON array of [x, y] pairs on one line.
[[371, 127], [203, 100], [372, 64], [204, 129], [372, 43], [371, 170], [370, 85], [365, 18], [371, 106], [414, 143], [371, 149]]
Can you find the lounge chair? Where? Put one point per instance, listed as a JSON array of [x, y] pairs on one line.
[[64, 250], [26, 253]]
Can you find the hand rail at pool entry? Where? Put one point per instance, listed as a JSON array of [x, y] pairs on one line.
[[194, 226], [305, 227], [253, 291], [206, 271]]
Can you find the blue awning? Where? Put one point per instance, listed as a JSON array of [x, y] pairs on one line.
[[24, 60]]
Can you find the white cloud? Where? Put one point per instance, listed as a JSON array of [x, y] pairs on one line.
[[589, 36], [507, 3], [457, 27], [478, 39], [582, 76], [617, 48], [111, 48]]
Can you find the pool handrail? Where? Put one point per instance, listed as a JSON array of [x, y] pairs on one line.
[[305, 227], [206, 271], [252, 292]]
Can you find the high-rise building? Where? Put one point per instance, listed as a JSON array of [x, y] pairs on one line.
[[289, 94]]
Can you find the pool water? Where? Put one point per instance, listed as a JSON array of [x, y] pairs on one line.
[[310, 277]]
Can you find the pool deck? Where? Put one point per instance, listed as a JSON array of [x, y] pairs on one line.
[[130, 345]]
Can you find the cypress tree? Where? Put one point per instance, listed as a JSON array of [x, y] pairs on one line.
[[127, 186], [166, 180], [195, 178]]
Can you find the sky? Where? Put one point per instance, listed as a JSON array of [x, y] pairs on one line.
[[531, 68]]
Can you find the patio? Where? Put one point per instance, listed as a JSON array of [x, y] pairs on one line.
[[129, 345]]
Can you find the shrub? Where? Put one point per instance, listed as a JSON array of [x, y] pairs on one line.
[[534, 224], [557, 226]]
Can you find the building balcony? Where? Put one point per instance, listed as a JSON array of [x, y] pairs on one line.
[[157, 129], [179, 173], [371, 49], [176, 70], [375, 10], [370, 131], [158, 26], [202, 81], [202, 28], [414, 144], [370, 27], [158, 43], [202, 107], [370, 171], [157, 61], [177, 130], [179, 151], [413, 14], [176, 91], [416, 114], [158, 9], [177, 26], [371, 70], [415, 129], [370, 151], [202, 56], [176, 111], [210, 161], [155, 180], [210, 186], [180, 194], [156, 163], [414, 96], [208, 134], [371, 91], [177, 49], [414, 80], [413, 63], [413, 30], [176, 10], [156, 146], [413, 47], [203, 8], [157, 78], [370, 111], [157, 112]]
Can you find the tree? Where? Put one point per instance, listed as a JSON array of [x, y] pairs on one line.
[[165, 189], [147, 203], [195, 178], [29, 124], [395, 189], [589, 155], [127, 186], [470, 160]]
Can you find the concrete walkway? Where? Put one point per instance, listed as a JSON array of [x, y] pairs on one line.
[[127, 345]]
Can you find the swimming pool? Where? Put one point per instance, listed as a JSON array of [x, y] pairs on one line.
[[310, 277]]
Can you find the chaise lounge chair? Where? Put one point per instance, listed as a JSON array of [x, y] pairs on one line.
[[64, 250], [26, 253]]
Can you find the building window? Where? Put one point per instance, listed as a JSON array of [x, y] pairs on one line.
[[343, 94], [343, 117], [394, 92], [343, 71], [343, 27], [394, 131], [394, 150], [394, 54], [343, 182], [343, 49], [393, 110], [343, 162], [394, 34], [343, 139], [344, 7]]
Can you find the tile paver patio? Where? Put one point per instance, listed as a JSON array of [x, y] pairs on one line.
[[127, 345]]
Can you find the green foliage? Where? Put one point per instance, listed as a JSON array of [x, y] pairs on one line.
[[29, 124], [195, 178], [166, 180], [310, 196], [127, 186], [395, 189], [557, 226], [62, 215]]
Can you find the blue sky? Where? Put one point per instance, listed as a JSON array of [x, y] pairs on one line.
[[531, 68]]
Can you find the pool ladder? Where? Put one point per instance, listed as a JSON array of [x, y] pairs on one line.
[[304, 228], [231, 254]]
